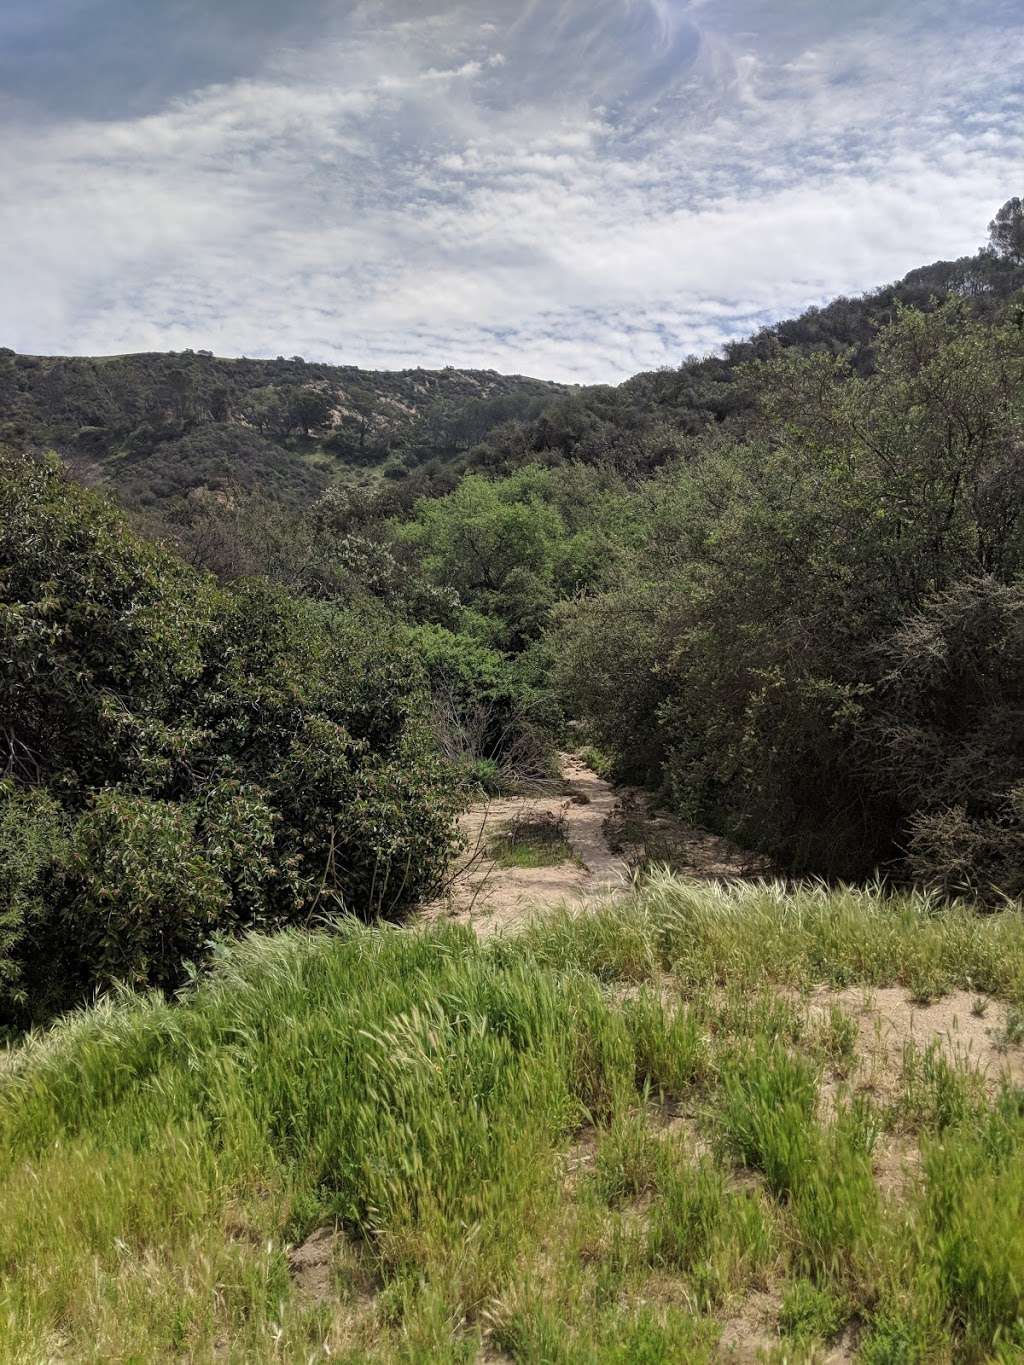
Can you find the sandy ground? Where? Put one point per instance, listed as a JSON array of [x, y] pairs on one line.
[[968, 1030], [493, 898]]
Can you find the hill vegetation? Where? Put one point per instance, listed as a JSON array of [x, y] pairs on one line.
[[154, 428], [640, 1135]]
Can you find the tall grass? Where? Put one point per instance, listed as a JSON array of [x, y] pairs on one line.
[[742, 934], [418, 1094]]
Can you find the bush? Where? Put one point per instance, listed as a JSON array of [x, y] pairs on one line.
[[489, 719], [188, 760], [34, 845], [821, 648], [951, 734]]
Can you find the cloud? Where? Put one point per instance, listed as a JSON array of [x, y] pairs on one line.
[[572, 189]]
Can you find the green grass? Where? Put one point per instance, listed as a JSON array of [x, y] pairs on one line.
[[589, 1143], [537, 841]]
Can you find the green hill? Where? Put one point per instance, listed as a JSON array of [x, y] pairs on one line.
[[155, 427], [152, 428]]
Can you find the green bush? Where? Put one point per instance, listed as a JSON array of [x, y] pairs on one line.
[[820, 650], [34, 846], [140, 886], [187, 760], [488, 717]]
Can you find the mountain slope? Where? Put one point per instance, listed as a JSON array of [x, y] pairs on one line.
[[153, 426]]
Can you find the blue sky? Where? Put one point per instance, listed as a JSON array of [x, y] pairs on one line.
[[576, 189]]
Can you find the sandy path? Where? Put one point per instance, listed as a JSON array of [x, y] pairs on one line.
[[492, 898]]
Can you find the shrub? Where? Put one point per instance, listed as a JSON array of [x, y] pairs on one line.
[[484, 712], [200, 759], [821, 648], [34, 845]]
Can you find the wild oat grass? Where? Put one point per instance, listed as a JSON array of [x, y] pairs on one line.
[[488, 1132]]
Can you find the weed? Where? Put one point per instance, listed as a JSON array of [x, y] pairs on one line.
[[671, 1053], [769, 1098], [714, 1235], [936, 1092], [1012, 1032], [810, 1313], [534, 841], [835, 1207], [597, 760], [837, 1039], [626, 1164], [418, 1090]]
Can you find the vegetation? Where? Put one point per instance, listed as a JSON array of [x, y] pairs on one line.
[[577, 1146], [820, 647], [183, 760], [782, 588], [532, 841], [157, 427]]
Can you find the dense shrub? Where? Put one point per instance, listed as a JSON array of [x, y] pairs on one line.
[[183, 760], [822, 646], [34, 847], [489, 717], [949, 734], [510, 549], [157, 427]]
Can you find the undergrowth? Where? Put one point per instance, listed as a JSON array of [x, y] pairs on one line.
[[598, 1141], [532, 841]]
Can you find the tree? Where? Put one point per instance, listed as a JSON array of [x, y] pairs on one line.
[[1006, 230], [310, 409], [820, 646], [179, 759], [496, 545], [267, 410]]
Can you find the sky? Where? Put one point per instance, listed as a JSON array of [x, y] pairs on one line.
[[573, 189]]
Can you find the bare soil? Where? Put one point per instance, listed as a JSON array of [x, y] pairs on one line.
[[969, 1031], [607, 831], [492, 898]]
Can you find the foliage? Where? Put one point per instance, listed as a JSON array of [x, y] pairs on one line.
[[782, 585], [155, 427], [490, 720], [34, 847], [512, 548], [461, 1138], [821, 647], [1006, 231], [209, 759]]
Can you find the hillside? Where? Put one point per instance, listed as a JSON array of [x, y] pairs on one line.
[[703, 1124], [155, 427], [152, 428]]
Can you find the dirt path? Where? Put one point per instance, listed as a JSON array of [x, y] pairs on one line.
[[493, 898]]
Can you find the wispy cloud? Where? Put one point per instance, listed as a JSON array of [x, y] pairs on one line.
[[575, 189]]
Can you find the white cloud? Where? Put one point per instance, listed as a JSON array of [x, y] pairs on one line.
[[433, 190]]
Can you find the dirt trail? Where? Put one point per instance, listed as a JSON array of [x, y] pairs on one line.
[[492, 898]]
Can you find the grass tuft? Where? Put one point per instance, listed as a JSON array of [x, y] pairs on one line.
[[419, 1102], [530, 842]]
